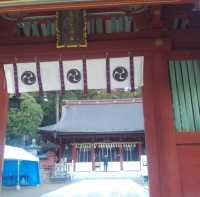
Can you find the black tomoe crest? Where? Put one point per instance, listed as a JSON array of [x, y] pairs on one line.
[[120, 73], [28, 77], [74, 75]]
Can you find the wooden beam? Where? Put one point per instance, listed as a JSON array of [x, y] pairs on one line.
[[116, 44], [30, 6], [48, 52], [27, 49], [188, 138]]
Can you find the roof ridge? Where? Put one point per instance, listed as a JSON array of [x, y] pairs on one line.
[[104, 101]]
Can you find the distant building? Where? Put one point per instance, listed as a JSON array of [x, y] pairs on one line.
[[89, 130]]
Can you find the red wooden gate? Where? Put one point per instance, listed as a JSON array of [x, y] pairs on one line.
[[174, 160], [174, 157]]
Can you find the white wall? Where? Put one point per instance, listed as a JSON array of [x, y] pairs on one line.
[[131, 165], [83, 166], [112, 166]]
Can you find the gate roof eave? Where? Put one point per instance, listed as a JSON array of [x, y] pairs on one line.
[[14, 6]]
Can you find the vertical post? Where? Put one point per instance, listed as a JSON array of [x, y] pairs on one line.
[[121, 151], [18, 175], [139, 149], [3, 115], [38, 174], [57, 107], [60, 149], [170, 182], [74, 156], [150, 129], [164, 178], [93, 157]]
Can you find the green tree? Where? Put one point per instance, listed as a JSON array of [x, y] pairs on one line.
[[48, 108], [23, 122]]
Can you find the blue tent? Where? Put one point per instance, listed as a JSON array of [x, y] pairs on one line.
[[20, 168]]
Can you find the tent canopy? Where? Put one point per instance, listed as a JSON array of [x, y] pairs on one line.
[[20, 168], [16, 153]]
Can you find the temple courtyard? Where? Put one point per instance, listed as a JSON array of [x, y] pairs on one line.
[[88, 185]]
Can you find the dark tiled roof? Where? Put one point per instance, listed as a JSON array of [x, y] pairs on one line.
[[99, 118]]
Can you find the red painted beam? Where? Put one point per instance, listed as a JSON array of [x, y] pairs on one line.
[[185, 54], [188, 138], [102, 4], [48, 51], [176, 35], [116, 44]]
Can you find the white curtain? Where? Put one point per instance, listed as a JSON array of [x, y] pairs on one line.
[[51, 76]]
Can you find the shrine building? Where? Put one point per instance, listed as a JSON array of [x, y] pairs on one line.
[[89, 130]]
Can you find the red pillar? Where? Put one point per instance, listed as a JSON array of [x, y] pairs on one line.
[[93, 157], [60, 149], [140, 150], [3, 116], [159, 132], [121, 151], [150, 129], [74, 156]]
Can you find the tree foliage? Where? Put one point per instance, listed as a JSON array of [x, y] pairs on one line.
[[26, 119], [49, 108]]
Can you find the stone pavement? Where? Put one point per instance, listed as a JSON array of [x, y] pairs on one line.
[[88, 184], [106, 175], [101, 188]]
